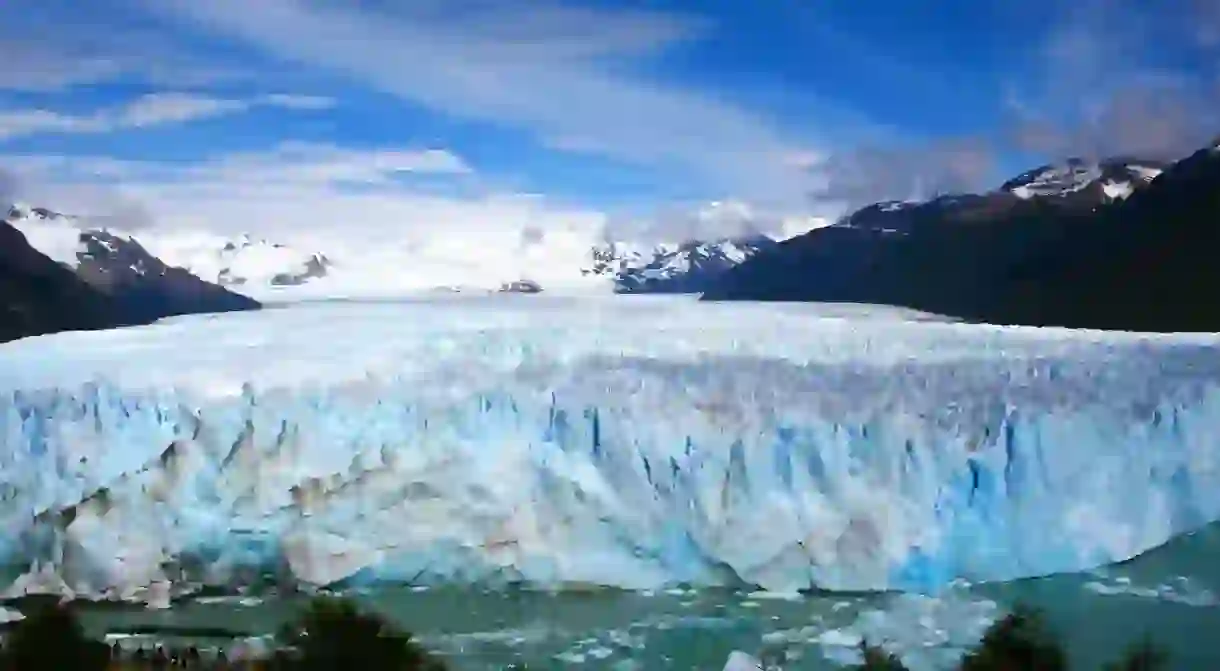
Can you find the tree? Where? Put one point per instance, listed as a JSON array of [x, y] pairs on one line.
[[877, 659], [1017, 642], [51, 639], [1143, 656], [333, 634]]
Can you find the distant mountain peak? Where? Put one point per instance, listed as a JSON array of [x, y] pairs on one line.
[[22, 211], [689, 266], [1111, 179], [132, 285], [1121, 244], [247, 261]]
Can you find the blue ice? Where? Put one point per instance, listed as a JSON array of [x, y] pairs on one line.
[[626, 443]]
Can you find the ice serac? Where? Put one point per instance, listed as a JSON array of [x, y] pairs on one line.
[[626, 442]]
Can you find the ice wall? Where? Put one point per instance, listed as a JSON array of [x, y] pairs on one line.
[[564, 444]]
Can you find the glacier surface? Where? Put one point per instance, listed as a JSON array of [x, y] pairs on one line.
[[632, 442]]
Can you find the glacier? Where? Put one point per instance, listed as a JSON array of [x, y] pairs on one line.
[[629, 442]]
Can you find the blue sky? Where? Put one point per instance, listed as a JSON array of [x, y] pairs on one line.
[[792, 106]]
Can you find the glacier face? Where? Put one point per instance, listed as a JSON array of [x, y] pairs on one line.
[[628, 441]]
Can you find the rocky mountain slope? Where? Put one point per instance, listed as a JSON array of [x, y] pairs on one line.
[[1119, 245], [474, 263], [244, 261], [1085, 182], [686, 267], [137, 287], [573, 259], [38, 295]]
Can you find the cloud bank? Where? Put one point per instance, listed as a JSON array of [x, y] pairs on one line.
[[572, 77], [576, 80], [1095, 86], [152, 109]]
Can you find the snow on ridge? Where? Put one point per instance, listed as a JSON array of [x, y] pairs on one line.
[[1117, 177], [578, 258], [1057, 180], [896, 205], [58, 236], [60, 242], [1117, 190], [237, 262], [1147, 173], [668, 266]]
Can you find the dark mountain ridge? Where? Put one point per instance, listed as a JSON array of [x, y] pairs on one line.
[[145, 288], [39, 296], [114, 282], [691, 266], [1075, 258]]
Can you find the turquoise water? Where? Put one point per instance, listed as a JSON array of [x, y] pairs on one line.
[[1171, 593]]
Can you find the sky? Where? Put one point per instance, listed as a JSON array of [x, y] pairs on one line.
[[290, 114]]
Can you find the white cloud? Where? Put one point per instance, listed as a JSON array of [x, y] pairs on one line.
[[573, 77], [24, 122], [164, 108], [385, 236], [33, 66], [10, 187], [302, 164], [53, 45], [298, 101], [321, 196], [1101, 86], [148, 110], [291, 187], [578, 79], [384, 232]]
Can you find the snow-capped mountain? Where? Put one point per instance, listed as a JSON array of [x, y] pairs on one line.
[[242, 261], [560, 260], [143, 286], [1117, 244], [1108, 180], [883, 217], [686, 267], [1073, 184], [39, 296], [100, 256], [580, 258]]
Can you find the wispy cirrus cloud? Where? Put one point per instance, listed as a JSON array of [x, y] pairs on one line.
[[1108, 80], [1204, 19], [868, 174], [581, 81], [322, 192], [51, 46], [292, 186], [530, 88], [152, 109], [10, 187], [578, 79]]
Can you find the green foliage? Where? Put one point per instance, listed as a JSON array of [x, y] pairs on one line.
[[1017, 642], [877, 659], [1022, 642], [51, 639], [1143, 656], [334, 634]]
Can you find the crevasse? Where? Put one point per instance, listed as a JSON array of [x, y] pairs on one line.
[[508, 455]]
